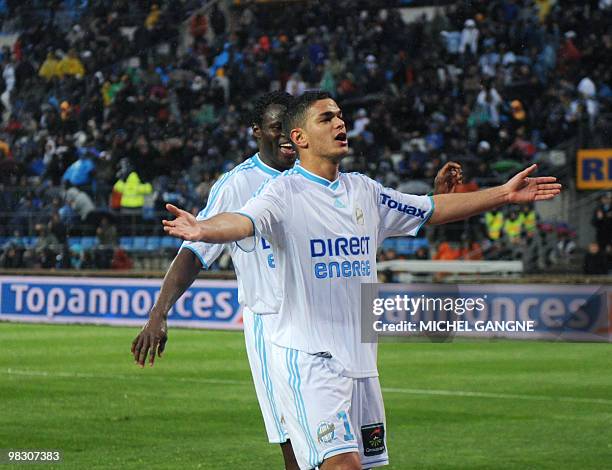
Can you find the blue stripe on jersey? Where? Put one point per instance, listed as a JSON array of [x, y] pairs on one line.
[[265, 376], [433, 208], [312, 177], [263, 167], [216, 189], [244, 214], [197, 253]]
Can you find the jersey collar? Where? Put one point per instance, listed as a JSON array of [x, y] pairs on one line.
[[263, 167], [317, 179]]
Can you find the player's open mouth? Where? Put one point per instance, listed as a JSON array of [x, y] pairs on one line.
[[341, 138], [287, 149]]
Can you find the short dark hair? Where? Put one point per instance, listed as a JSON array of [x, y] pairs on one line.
[[264, 101], [296, 114]]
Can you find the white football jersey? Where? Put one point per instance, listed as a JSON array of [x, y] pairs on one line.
[[254, 268], [324, 236]]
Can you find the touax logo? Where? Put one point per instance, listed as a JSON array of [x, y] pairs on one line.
[[405, 208]]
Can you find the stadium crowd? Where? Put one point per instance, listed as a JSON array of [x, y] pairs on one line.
[[111, 109]]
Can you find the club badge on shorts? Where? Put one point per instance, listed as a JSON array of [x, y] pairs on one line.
[[373, 436], [326, 432]]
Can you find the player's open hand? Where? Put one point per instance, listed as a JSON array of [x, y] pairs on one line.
[[184, 226], [150, 341], [448, 178], [521, 188]]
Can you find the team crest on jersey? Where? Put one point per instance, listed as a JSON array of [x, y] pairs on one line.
[[373, 439], [326, 432], [359, 216]]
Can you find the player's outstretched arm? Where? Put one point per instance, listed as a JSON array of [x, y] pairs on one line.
[[519, 189], [152, 338], [222, 228], [447, 179]]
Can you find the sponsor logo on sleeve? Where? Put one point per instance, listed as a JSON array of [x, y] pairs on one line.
[[391, 203]]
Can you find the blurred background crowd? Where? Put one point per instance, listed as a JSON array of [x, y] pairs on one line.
[[110, 109]]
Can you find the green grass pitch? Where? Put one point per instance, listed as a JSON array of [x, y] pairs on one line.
[[465, 404]]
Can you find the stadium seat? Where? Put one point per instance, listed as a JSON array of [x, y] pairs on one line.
[[87, 243], [170, 243], [139, 243], [126, 243], [154, 243]]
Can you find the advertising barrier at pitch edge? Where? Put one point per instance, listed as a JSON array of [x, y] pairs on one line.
[[574, 312]]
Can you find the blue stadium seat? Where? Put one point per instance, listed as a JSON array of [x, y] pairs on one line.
[[73, 242], [170, 243], [154, 243], [87, 243], [140, 243], [126, 243], [30, 241], [405, 245]]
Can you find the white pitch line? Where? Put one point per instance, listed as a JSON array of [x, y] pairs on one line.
[[501, 396], [81, 375], [407, 391]]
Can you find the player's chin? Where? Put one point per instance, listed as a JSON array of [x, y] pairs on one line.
[[341, 152], [288, 160]]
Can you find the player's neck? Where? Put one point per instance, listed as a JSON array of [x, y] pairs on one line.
[[322, 167], [268, 161]]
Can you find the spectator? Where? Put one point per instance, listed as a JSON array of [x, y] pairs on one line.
[[512, 228], [71, 66], [295, 85], [12, 252], [106, 234], [595, 261], [490, 100], [121, 260], [81, 172], [46, 248], [494, 221], [133, 193], [83, 206], [469, 38], [602, 221]]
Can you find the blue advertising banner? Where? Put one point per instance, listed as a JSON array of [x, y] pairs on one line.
[[121, 301], [534, 311]]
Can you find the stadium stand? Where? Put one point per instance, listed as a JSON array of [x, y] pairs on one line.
[[110, 109]]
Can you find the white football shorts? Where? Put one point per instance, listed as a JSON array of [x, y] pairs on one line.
[[326, 413], [258, 352]]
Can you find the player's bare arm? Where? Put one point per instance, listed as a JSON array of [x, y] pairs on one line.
[[520, 189], [151, 340], [222, 228], [448, 178]]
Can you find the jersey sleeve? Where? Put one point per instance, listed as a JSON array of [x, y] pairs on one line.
[[399, 213], [267, 209], [223, 197]]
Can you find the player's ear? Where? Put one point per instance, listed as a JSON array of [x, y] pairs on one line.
[[299, 138], [256, 131]]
